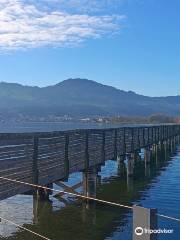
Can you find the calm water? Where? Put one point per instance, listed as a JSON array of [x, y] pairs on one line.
[[53, 126], [71, 219]]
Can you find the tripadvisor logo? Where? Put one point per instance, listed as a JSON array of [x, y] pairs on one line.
[[140, 231]]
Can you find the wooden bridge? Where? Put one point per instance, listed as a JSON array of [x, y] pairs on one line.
[[44, 158]]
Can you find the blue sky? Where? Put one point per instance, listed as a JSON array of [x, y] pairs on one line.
[[130, 44]]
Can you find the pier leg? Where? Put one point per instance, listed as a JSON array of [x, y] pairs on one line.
[[157, 154], [121, 167], [168, 144], [147, 155], [43, 194], [158, 148], [120, 159], [130, 165], [40, 208], [130, 183], [172, 144], [178, 139], [98, 180], [137, 157], [165, 150], [147, 169], [143, 220], [147, 158], [90, 182], [160, 145], [35, 209], [154, 148]]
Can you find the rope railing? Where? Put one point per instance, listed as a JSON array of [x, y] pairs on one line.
[[84, 197], [23, 228], [66, 192], [168, 217]]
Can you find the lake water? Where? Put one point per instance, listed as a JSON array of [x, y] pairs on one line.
[[53, 126], [71, 219]]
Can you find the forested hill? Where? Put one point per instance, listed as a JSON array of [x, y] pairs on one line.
[[81, 97]]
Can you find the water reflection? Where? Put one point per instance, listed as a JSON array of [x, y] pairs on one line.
[[155, 175]]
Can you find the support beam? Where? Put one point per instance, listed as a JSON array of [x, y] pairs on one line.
[[67, 188]]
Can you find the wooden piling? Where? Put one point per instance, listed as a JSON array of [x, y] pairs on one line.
[[130, 165]]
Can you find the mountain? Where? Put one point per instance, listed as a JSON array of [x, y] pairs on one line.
[[81, 97]]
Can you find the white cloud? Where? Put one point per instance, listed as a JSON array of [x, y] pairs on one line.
[[24, 24], [83, 5]]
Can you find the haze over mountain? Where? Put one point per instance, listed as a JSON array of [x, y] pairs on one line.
[[81, 97]]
